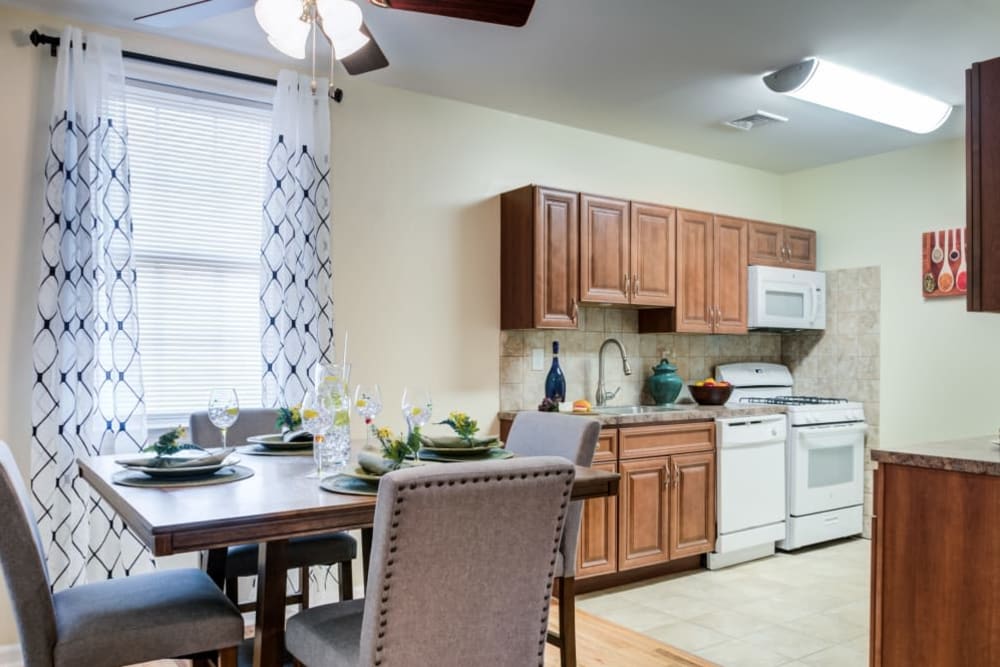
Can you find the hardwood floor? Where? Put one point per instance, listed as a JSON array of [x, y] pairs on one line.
[[599, 643]]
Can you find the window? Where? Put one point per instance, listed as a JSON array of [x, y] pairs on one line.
[[198, 183]]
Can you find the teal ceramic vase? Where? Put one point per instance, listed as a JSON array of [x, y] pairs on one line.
[[664, 384]]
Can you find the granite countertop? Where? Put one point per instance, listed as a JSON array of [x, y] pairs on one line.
[[979, 456], [683, 413]]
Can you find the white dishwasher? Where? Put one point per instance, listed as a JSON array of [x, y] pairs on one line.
[[750, 489]]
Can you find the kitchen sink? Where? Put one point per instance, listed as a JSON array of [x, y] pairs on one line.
[[633, 409]]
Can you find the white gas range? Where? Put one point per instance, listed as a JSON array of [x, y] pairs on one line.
[[824, 453]]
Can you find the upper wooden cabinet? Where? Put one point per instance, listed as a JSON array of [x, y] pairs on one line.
[[539, 259], [782, 246], [711, 278], [627, 252], [982, 150]]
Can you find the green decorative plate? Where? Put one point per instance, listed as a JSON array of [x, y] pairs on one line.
[[275, 441], [348, 484], [493, 454], [458, 451]]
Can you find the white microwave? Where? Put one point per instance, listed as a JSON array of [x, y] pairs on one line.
[[786, 299]]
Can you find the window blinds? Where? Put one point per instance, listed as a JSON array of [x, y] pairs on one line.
[[198, 185]]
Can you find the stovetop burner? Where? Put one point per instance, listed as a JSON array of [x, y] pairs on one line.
[[793, 400]]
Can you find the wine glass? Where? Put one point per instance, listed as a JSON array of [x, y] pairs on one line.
[[368, 404], [317, 419], [223, 410], [417, 407]]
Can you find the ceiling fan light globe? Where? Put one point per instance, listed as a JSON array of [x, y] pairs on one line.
[[339, 16], [291, 42], [273, 15]]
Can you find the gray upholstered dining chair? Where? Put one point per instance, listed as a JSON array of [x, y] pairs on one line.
[[166, 614], [303, 552], [575, 438], [461, 570]]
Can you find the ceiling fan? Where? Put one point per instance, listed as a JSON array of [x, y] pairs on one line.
[[289, 23]]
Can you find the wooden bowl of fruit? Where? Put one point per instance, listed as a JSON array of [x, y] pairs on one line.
[[711, 391]]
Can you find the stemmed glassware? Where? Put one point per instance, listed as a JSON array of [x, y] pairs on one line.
[[223, 410], [417, 407], [368, 404]]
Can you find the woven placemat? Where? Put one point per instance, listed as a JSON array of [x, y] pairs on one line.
[[261, 450], [141, 479]]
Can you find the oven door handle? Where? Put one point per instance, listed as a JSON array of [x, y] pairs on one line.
[[831, 429]]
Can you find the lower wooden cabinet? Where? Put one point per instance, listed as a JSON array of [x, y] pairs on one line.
[[692, 504], [643, 512], [597, 552]]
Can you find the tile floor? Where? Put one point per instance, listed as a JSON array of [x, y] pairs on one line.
[[806, 609]]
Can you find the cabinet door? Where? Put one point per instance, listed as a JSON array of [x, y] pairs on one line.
[[597, 551], [605, 275], [692, 504], [800, 248], [766, 244], [730, 268], [643, 513], [654, 253], [695, 256], [557, 224]]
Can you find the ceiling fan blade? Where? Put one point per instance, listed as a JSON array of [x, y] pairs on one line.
[[366, 59], [192, 12], [512, 13]]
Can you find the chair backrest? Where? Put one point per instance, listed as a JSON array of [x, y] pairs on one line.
[[571, 436], [23, 561], [462, 563], [252, 421]]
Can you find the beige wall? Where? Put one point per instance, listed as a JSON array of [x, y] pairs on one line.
[[415, 220], [938, 362]]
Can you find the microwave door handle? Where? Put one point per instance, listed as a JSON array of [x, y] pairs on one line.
[[815, 300]]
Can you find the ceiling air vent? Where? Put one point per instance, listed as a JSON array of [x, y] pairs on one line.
[[757, 119]]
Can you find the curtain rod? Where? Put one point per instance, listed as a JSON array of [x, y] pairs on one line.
[[38, 39]]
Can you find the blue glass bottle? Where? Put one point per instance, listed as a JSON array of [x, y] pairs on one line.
[[555, 381]]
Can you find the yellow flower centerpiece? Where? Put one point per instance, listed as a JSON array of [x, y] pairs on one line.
[[394, 450]]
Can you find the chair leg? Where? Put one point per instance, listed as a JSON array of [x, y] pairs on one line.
[[304, 587], [232, 589], [567, 621], [229, 657], [345, 576]]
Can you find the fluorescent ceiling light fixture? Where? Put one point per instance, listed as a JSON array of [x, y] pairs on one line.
[[837, 87]]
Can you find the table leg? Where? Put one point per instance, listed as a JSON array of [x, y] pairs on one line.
[[269, 635], [366, 553], [215, 565]]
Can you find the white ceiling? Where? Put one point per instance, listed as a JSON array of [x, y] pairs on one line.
[[663, 72]]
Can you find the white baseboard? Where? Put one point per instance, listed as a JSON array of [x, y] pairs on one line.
[[10, 655]]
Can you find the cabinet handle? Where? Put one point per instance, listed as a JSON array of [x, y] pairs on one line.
[[628, 288], [635, 284], [576, 311]]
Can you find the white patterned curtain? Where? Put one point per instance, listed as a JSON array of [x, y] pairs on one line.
[[87, 397], [296, 299]]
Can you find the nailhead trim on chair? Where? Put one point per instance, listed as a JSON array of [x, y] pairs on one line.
[[384, 600]]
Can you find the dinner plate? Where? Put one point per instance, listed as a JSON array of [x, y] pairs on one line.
[[185, 471], [361, 473], [274, 441], [455, 442], [347, 484], [458, 451], [494, 454]]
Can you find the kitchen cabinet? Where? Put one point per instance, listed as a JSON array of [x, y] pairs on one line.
[[627, 252], [666, 503], [935, 597], [982, 150], [782, 246], [539, 259], [712, 254], [665, 509]]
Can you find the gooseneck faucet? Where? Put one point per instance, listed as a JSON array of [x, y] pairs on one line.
[[603, 395]]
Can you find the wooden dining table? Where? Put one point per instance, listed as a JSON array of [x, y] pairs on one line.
[[280, 501]]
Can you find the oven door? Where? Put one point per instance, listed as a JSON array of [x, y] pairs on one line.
[[825, 467], [786, 299]]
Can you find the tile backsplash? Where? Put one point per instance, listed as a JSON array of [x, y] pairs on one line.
[[694, 355]]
